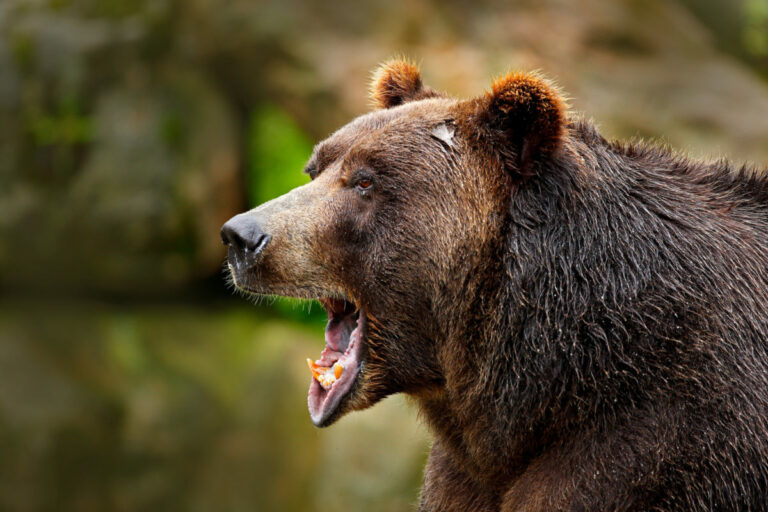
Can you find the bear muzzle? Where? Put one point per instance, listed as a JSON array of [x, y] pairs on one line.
[[246, 239], [274, 248]]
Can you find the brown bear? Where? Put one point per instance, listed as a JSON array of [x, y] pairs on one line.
[[583, 323]]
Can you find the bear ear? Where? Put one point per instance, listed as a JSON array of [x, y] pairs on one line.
[[524, 117], [397, 82]]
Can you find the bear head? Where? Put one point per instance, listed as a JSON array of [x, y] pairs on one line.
[[400, 231]]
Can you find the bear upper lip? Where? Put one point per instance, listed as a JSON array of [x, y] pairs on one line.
[[344, 337]]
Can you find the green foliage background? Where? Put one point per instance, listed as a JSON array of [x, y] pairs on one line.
[[278, 150]]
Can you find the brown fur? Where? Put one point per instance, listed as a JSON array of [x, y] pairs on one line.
[[524, 106], [397, 82], [584, 324]]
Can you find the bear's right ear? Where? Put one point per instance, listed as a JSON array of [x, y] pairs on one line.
[[521, 120], [397, 82]]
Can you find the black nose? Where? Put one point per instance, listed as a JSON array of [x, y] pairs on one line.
[[243, 234]]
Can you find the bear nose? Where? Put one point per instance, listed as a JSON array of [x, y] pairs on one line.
[[245, 236]]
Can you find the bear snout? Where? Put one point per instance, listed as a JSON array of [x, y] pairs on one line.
[[246, 239], [272, 247]]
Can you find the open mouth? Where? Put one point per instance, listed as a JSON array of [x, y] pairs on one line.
[[335, 373]]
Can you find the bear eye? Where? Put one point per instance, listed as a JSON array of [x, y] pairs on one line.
[[364, 184]]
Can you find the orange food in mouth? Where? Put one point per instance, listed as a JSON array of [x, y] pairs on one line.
[[324, 375], [335, 372]]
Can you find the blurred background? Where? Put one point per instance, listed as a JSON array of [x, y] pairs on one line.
[[131, 377]]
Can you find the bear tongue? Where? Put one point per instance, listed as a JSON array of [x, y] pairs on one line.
[[336, 372], [337, 332]]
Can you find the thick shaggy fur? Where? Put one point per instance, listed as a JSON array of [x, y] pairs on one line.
[[397, 82], [584, 324], [627, 367]]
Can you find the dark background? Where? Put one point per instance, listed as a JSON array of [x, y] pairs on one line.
[[131, 377]]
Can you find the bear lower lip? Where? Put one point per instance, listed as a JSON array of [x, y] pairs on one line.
[[344, 339]]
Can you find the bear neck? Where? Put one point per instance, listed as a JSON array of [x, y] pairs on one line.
[[599, 310]]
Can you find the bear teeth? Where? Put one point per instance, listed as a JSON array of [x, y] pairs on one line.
[[324, 375]]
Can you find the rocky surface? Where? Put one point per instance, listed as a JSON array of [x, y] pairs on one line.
[[118, 171], [124, 125]]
